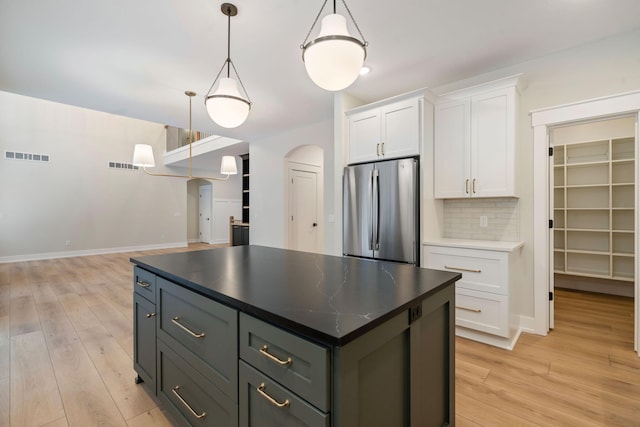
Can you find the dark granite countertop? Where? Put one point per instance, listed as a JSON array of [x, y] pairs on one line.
[[331, 300]]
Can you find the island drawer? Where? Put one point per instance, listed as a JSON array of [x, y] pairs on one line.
[[193, 399], [483, 311], [300, 365], [202, 331], [264, 399], [481, 270], [144, 283]]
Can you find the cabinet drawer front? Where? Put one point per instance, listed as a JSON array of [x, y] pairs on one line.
[[144, 340], [265, 403], [202, 331], [144, 283], [483, 312], [188, 394], [481, 270], [307, 373]]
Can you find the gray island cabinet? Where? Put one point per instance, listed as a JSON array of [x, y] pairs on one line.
[[255, 336]]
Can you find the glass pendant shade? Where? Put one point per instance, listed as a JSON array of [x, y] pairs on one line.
[[143, 156], [226, 106], [333, 60], [228, 166]]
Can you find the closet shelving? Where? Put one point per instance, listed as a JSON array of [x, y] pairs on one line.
[[594, 209]]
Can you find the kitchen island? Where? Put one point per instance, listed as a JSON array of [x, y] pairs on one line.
[[258, 336]]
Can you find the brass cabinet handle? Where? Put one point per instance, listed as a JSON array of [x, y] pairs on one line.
[[382, 148], [184, 402], [377, 149], [143, 284], [265, 351], [176, 319], [150, 315], [474, 310], [463, 269], [270, 399], [473, 186], [466, 185]]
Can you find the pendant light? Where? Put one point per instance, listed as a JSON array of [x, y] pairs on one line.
[[143, 157], [226, 105], [333, 59]]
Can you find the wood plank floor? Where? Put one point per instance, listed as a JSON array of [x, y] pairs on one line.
[[66, 356]]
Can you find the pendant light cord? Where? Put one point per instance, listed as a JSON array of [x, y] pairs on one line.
[[228, 40]]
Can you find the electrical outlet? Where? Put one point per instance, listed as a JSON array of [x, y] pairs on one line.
[[484, 222], [67, 243]]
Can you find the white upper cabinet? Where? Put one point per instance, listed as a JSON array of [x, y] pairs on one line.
[[385, 130], [475, 142]]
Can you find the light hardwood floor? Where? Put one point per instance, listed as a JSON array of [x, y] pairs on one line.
[[66, 348]]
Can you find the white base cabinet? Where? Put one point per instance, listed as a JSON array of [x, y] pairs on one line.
[[475, 141], [484, 311]]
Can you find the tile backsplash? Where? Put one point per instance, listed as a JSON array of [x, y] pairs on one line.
[[462, 219]]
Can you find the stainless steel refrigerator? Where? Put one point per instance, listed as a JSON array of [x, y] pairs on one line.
[[380, 210]]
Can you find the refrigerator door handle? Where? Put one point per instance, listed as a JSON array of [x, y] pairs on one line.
[[371, 219], [376, 209]]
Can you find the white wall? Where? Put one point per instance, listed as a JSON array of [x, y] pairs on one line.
[[268, 181], [76, 197]]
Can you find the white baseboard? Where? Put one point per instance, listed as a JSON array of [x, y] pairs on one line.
[[89, 252], [528, 324]]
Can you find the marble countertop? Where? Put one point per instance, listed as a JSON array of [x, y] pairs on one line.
[[329, 299]]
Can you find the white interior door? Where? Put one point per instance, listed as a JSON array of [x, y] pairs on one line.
[[204, 215], [303, 211]]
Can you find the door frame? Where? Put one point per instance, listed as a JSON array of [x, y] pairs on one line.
[[541, 121], [296, 166]]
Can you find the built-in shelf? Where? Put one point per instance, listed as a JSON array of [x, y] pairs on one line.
[[593, 213], [245, 188]]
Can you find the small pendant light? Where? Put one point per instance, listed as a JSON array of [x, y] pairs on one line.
[[334, 59], [226, 105]]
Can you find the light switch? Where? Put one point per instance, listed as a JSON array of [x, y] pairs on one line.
[[484, 222]]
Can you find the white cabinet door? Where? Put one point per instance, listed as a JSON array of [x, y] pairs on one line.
[[475, 145], [401, 129], [452, 129], [493, 143], [364, 136], [386, 132]]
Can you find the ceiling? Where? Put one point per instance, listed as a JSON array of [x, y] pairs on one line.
[[136, 58]]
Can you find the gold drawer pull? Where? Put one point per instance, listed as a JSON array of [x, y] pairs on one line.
[[265, 351], [473, 186], [150, 315], [184, 402], [143, 284], [270, 399], [184, 328], [466, 185], [474, 310], [463, 269]]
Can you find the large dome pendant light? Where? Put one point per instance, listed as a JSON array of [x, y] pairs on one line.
[[334, 59], [227, 106]]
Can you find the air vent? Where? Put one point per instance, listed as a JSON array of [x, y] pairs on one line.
[[29, 157], [123, 166]]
